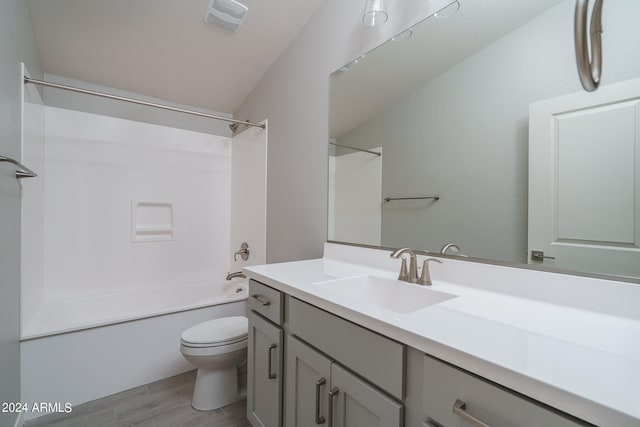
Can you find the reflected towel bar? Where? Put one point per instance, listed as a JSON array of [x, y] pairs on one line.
[[23, 172], [388, 199]]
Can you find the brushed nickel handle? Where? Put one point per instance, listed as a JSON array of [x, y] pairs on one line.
[[319, 418], [589, 71], [333, 393], [270, 374], [540, 256], [262, 300], [459, 408]]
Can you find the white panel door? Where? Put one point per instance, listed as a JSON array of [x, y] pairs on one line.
[[584, 180]]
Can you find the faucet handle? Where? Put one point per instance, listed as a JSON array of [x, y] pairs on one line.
[[425, 277], [243, 252], [404, 273]]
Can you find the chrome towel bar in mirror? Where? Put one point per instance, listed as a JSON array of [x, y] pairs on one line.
[[589, 71], [389, 199]]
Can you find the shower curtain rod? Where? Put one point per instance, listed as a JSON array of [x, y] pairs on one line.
[[140, 102], [355, 148]]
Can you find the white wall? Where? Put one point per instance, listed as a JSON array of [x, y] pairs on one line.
[[17, 44], [452, 138], [96, 168], [293, 95]]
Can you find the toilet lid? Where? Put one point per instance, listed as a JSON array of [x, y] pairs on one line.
[[217, 331]]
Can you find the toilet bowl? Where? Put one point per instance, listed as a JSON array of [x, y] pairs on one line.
[[218, 348]]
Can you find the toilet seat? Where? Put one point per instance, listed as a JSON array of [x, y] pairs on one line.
[[215, 333]]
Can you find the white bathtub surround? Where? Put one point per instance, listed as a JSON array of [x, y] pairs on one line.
[[81, 366], [568, 341], [249, 196], [96, 168], [128, 208]]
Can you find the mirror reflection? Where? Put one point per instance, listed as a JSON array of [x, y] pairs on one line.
[[479, 134]]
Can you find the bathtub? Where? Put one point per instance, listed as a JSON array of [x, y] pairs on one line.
[[80, 350], [56, 317]]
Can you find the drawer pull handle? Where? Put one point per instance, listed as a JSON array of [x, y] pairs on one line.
[[459, 408], [319, 418], [270, 374], [262, 300], [333, 393]]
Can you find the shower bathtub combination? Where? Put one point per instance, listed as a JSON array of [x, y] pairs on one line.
[[128, 233]]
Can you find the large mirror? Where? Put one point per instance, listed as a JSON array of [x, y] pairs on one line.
[[472, 128]]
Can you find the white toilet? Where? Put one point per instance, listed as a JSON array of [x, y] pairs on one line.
[[218, 348]]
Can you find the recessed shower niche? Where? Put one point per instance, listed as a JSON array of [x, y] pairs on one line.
[[152, 221]]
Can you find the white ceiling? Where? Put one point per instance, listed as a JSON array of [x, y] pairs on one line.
[[163, 48]]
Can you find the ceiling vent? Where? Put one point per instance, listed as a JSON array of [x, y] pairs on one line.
[[227, 14]]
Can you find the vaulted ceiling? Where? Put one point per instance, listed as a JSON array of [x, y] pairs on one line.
[[163, 48]]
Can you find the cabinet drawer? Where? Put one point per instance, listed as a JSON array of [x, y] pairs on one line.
[[265, 301], [444, 385], [378, 359]]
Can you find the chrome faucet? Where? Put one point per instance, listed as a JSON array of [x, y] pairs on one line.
[[236, 274], [425, 277], [454, 249], [412, 275], [452, 246]]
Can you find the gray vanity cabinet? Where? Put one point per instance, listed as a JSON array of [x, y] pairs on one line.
[[308, 381], [340, 374], [320, 391], [355, 403], [455, 398], [265, 357]]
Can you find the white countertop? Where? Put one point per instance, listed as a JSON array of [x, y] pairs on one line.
[[582, 357]]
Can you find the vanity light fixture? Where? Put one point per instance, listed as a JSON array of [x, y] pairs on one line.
[[375, 13], [448, 11]]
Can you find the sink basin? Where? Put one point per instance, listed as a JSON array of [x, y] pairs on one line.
[[393, 295]]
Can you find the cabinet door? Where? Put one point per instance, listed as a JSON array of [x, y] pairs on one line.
[[264, 373], [355, 403], [308, 374]]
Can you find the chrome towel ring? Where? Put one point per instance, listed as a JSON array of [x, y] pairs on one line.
[[589, 71]]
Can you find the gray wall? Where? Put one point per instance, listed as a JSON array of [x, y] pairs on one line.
[[17, 44], [464, 135], [294, 96]]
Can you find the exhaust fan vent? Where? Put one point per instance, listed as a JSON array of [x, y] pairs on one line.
[[227, 14]]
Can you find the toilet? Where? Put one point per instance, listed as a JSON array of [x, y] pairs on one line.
[[218, 348]]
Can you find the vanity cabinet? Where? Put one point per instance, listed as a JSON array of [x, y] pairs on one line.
[[454, 398], [321, 387], [310, 367], [265, 356]]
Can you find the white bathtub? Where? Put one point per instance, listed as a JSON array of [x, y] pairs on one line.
[[89, 348], [58, 317]]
